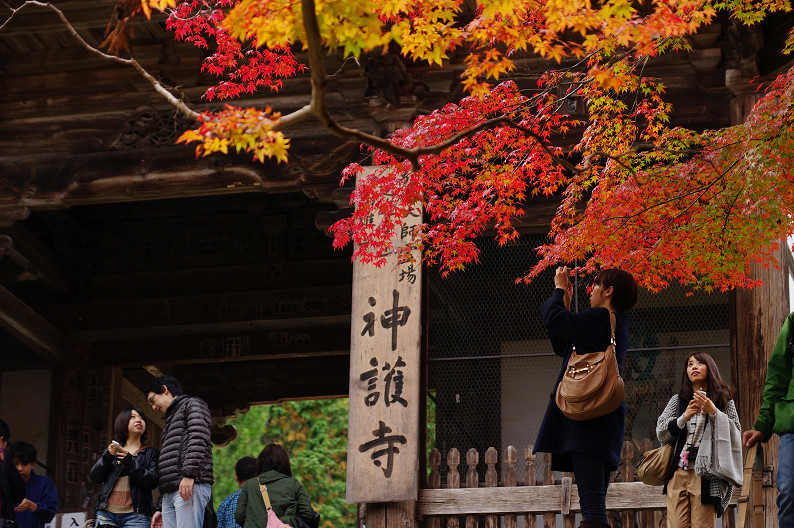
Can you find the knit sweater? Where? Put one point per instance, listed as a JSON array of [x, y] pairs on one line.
[[713, 490]]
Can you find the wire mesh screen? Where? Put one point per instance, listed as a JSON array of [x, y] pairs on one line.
[[492, 369]]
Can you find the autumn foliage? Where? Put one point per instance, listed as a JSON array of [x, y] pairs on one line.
[[667, 203]]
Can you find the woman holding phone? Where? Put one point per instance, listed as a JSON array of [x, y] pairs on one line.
[[127, 470], [588, 448], [692, 500]]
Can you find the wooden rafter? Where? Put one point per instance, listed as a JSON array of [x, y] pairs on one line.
[[36, 258], [30, 328]]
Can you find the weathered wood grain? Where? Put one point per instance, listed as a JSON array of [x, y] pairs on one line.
[[533, 499]]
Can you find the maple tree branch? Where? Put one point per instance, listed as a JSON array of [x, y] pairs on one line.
[[156, 84], [293, 117], [319, 80], [319, 107], [701, 190]]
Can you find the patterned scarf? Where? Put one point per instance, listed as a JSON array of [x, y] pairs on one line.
[[695, 427]]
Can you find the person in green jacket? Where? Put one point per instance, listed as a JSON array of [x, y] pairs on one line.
[[287, 496], [777, 416]]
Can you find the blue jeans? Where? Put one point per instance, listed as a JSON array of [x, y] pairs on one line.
[[178, 513], [785, 481], [592, 479], [122, 520]]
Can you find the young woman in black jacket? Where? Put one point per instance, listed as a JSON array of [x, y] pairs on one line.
[[589, 448], [127, 471]]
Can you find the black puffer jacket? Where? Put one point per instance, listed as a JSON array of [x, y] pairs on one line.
[[142, 470], [187, 451]]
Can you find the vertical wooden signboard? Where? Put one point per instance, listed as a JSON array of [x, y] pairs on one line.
[[383, 427]]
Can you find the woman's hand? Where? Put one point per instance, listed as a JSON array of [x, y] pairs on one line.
[[705, 403], [117, 451], [561, 281], [691, 410]]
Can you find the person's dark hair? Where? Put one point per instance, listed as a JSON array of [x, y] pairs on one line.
[[624, 288], [122, 423], [5, 432], [274, 457], [719, 392], [156, 386], [24, 452], [245, 468]]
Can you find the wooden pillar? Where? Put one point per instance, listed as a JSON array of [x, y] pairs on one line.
[[80, 415], [387, 409], [756, 314], [391, 514]]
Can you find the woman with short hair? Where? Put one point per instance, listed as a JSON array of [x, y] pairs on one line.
[[588, 448], [127, 470]]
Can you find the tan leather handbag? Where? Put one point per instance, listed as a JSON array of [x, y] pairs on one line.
[[655, 465], [591, 385]]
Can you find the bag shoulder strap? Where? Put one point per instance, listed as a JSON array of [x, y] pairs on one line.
[[613, 321], [265, 496]]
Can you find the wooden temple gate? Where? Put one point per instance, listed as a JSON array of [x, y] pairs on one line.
[[123, 256]]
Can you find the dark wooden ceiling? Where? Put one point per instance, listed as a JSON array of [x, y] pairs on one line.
[[122, 249]]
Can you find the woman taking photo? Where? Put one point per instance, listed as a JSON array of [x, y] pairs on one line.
[[287, 497], [127, 471], [704, 399], [588, 448]]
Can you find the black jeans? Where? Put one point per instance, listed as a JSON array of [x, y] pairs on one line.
[[592, 479]]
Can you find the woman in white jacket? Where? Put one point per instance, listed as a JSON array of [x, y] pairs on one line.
[[692, 500]]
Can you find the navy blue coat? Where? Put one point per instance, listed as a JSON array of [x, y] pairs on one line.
[[590, 331]]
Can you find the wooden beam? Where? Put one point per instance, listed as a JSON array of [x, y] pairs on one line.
[[36, 258], [153, 370], [223, 348], [534, 499], [132, 394], [242, 384], [242, 277], [224, 313], [229, 387], [30, 328]]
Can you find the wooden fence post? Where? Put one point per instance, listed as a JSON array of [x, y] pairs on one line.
[[491, 481], [612, 517], [627, 517], [549, 519], [453, 481], [472, 481], [646, 516], [569, 518], [530, 479], [510, 479], [434, 482]]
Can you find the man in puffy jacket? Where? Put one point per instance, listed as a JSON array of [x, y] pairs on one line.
[[776, 416], [185, 464]]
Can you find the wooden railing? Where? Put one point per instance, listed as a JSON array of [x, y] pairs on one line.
[[465, 501]]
